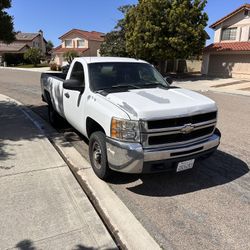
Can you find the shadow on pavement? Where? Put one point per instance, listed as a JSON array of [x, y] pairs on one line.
[[25, 245], [29, 245], [15, 126], [219, 169], [193, 77], [69, 132]]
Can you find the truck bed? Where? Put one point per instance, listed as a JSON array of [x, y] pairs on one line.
[[59, 75], [52, 90]]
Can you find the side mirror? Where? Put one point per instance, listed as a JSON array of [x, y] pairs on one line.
[[168, 79], [73, 84]]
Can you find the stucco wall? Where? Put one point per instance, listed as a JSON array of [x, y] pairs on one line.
[[205, 64], [239, 21], [230, 65], [38, 43], [93, 47], [74, 38], [193, 65], [217, 34]]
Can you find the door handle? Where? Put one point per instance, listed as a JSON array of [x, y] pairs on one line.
[[67, 95]]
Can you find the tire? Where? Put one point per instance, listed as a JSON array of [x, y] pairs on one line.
[[98, 155], [54, 118]]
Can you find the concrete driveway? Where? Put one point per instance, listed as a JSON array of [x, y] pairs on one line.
[[225, 85]]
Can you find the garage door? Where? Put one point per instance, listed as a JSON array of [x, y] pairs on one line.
[[229, 65]]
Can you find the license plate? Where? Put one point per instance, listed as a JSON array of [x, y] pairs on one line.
[[184, 165]]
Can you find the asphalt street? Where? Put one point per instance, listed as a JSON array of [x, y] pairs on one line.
[[207, 207]]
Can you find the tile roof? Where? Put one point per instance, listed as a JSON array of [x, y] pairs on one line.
[[89, 35], [13, 47], [227, 47], [242, 7], [59, 49]]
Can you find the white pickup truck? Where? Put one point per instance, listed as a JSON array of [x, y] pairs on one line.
[[134, 120]]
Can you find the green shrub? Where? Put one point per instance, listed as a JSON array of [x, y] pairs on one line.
[[70, 55], [34, 55]]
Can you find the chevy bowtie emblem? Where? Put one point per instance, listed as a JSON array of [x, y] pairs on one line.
[[188, 128]]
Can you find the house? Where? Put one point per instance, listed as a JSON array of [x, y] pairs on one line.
[[23, 42], [85, 43], [229, 55]]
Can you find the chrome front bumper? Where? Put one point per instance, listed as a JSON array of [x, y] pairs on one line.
[[131, 157]]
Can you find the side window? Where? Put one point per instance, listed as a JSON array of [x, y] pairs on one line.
[[146, 74], [77, 73]]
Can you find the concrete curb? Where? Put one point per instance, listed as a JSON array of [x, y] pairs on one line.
[[123, 225]]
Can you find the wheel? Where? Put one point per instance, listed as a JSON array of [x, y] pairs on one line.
[[54, 118], [98, 155]]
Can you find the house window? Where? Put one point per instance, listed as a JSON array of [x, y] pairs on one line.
[[229, 34], [80, 43], [68, 43]]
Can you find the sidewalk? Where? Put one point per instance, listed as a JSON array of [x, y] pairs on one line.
[[42, 69], [42, 205], [228, 85]]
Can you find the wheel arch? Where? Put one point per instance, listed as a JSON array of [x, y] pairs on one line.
[[47, 97], [93, 126]]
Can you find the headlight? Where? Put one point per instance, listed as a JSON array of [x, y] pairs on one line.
[[125, 130]]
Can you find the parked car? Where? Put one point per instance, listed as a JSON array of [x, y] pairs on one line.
[[134, 120]]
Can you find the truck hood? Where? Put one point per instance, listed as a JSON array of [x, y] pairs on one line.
[[157, 103]]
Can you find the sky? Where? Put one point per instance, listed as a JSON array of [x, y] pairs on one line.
[[56, 17]]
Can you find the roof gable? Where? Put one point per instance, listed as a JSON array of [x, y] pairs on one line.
[[13, 47], [88, 35], [241, 8], [26, 36]]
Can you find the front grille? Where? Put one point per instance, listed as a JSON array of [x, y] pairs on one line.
[[186, 152], [177, 122], [171, 138]]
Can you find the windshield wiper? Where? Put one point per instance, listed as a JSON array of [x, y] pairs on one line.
[[154, 84], [117, 86], [125, 86]]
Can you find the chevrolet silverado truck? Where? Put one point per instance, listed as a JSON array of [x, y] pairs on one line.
[[136, 122]]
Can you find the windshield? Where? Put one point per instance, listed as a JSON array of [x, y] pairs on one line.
[[113, 75]]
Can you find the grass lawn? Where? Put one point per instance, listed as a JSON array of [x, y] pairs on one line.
[[32, 66]]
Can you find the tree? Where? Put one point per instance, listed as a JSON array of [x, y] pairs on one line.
[[49, 46], [70, 55], [114, 43], [157, 30], [34, 55], [7, 33]]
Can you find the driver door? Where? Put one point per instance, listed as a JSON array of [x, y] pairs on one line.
[[73, 100]]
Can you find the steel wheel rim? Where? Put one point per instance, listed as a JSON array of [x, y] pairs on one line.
[[97, 155]]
